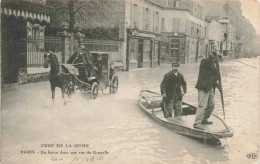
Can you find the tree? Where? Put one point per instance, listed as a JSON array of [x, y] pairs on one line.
[[83, 13]]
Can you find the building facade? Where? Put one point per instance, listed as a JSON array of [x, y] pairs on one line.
[[215, 35], [21, 20], [142, 34], [184, 36], [238, 32]]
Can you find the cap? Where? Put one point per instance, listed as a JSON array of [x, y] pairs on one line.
[[214, 54], [175, 64]]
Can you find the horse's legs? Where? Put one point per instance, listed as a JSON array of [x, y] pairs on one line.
[[62, 92], [53, 92]]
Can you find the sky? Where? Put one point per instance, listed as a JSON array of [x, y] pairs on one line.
[[251, 10]]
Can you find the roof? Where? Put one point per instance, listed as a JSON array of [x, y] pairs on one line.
[[159, 3], [176, 8]]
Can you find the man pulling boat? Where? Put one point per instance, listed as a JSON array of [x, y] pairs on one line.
[[172, 93]]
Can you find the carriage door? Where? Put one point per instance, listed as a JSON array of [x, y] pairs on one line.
[[175, 49], [140, 52]]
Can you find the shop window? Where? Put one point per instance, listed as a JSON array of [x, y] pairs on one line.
[[147, 49]]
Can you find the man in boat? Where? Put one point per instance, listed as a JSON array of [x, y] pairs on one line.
[[206, 84], [173, 87]]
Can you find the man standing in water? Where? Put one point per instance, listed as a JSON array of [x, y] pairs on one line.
[[172, 92], [206, 84]]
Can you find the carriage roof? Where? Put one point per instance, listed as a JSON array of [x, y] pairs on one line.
[[86, 55]]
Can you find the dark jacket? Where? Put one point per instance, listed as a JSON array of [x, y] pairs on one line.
[[111, 72], [171, 84], [208, 75]]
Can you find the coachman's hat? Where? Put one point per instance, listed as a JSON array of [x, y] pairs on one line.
[[175, 64]]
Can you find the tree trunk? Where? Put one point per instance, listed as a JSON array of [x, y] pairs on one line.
[[71, 15]]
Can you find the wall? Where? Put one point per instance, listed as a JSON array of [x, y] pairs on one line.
[[215, 31], [141, 7], [168, 16]]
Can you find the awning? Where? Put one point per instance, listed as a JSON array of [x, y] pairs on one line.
[[27, 10]]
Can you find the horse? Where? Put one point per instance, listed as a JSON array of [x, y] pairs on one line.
[[57, 76]]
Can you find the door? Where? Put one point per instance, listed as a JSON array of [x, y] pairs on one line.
[[140, 52], [175, 49]]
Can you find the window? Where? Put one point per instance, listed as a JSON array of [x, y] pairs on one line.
[[135, 15], [157, 21], [147, 13], [162, 24], [175, 25], [173, 3], [144, 17], [175, 44], [187, 26], [176, 4], [35, 32], [225, 36]]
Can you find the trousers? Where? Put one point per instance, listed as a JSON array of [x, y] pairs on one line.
[[171, 104], [205, 106]]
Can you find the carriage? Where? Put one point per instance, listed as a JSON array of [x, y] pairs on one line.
[[89, 72]]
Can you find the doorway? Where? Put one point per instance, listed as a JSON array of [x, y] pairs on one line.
[[140, 52]]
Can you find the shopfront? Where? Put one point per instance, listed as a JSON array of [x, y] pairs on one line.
[[144, 50]]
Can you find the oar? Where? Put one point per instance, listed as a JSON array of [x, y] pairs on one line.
[[220, 89]]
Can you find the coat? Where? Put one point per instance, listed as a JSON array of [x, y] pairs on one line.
[[208, 75], [171, 84]]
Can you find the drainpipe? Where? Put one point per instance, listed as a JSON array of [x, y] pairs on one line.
[[127, 48]]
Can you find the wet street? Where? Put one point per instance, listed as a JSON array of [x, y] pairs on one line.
[[115, 124]]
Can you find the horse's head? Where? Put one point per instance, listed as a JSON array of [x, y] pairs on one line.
[[50, 58]]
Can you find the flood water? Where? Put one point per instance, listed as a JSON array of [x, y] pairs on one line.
[[115, 124]]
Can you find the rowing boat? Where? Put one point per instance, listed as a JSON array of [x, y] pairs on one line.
[[150, 103]]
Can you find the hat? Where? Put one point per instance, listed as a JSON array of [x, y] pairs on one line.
[[214, 54], [175, 64]]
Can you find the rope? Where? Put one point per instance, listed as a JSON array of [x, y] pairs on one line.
[[247, 64]]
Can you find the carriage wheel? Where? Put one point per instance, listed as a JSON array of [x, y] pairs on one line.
[[94, 90], [114, 85]]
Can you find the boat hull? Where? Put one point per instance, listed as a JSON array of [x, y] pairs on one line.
[[184, 126]]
